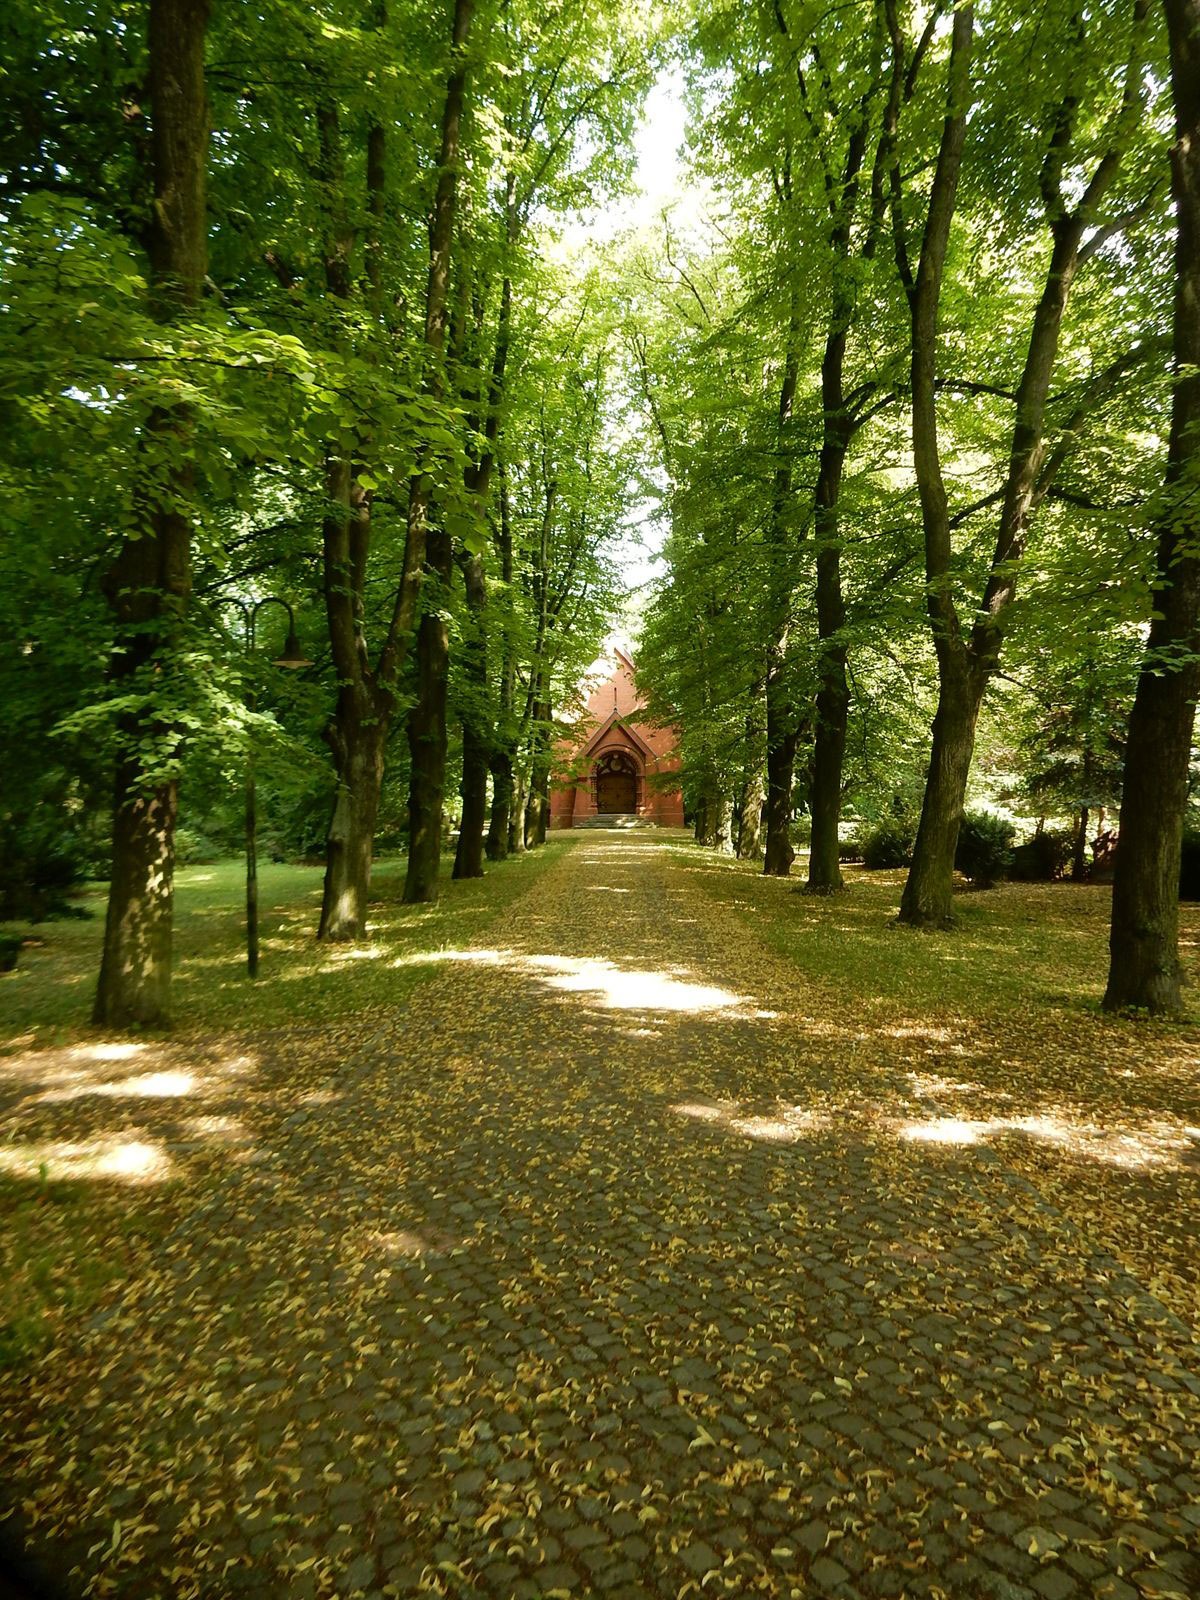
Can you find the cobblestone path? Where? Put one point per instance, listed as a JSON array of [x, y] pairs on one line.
[[596, 1272]]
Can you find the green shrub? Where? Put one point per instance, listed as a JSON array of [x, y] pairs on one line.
[[41, 863], [887, 844], [1042, 859], [985, 852], [194, 848], [850, 845], [1189, 865]]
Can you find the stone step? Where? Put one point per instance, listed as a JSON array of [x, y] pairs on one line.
[[613, 819]]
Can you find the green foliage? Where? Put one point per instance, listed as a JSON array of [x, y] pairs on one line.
[[641, 379], [886, 844], [1189, 865], [41, 865], [1042, 859], [984, 853]]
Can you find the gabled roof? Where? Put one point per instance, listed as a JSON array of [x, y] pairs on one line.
[[615, 719]]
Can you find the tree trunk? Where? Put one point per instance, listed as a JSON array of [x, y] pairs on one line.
[[360, 743], [1144, 942], [782, 733], [700, 819], [781, 759], [150, 580], [749, 843], [927, 901], [503, 789], [516, 816], [927, 897], [722, 806], [711, 802], [833, 696], [357, 730], [537, 812], [468, 857], [358, 737], [427, 731], [829, 755], [837, 427], [501, 758], [477, 729], [708, 813], [1145, 969], [351, 733], [134, 989], [1079, 861], [476, 723], [753, 790], [537, 807]]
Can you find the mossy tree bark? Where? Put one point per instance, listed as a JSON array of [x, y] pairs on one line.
[[427, 730], [1144, 969], [782, 717], [149, 582]]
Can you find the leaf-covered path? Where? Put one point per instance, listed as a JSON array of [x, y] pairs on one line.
[[610, 1265]]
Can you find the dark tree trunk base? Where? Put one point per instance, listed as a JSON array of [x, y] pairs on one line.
[[778, 853], [468, 856], [929, 888], [351, 842], [928, 922], [134, 988]]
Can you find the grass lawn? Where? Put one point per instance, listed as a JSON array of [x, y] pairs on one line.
[[48, 998], [144, 1119]]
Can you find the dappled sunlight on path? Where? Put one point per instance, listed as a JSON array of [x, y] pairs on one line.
[[614, 987], [626, 1257]]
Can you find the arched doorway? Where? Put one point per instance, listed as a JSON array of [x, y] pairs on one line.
[[616, 784]]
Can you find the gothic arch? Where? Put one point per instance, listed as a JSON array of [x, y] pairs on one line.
[[616, 783]]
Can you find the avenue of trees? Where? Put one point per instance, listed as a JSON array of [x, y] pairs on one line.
[[298, 305], [288, 312], [912, 385]]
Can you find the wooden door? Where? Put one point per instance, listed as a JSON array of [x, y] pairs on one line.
[[616, 793]]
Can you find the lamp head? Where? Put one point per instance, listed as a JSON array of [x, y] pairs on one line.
[[293, 657]]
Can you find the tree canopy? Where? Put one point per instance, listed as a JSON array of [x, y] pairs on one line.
[[342, 305]]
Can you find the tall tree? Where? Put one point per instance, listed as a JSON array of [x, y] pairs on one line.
[[845, 131], [1145, 970], [563, 100], [367, 692], [149, 582], [968, 656]]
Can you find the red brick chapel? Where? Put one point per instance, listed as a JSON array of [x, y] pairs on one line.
[[609, 763]]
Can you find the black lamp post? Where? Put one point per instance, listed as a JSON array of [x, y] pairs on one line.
[[293, 659]]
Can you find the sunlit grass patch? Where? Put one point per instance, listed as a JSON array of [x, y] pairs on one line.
[[46, 1000]]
